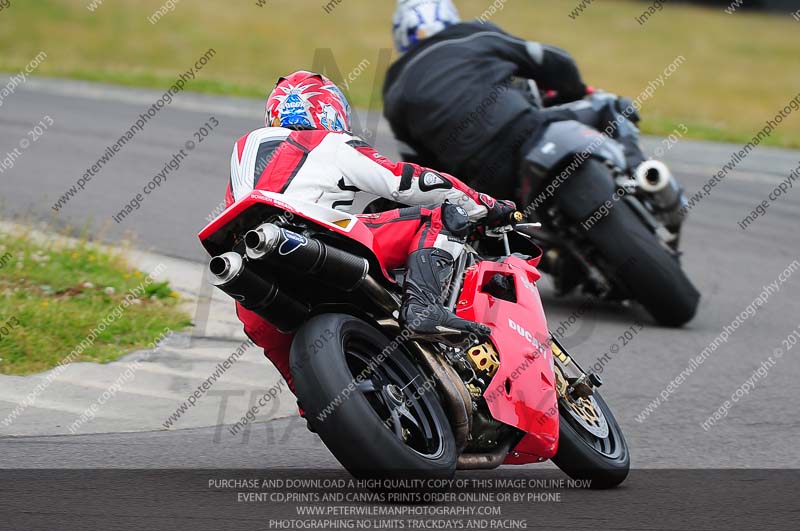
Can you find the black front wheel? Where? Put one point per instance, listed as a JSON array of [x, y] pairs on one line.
[[371, 404], [591, 445]]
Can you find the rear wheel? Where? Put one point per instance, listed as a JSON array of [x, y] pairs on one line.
[[633, 257], [370, 403], [591, 445], [645, 268]]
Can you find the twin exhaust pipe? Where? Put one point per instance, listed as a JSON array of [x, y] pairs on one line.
[[256, 289]]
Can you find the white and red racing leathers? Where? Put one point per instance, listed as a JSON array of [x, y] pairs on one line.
[[341, 171]]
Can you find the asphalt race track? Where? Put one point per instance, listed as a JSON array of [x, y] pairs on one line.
[[729, 265]]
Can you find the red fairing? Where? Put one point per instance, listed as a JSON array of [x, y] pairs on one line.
[[356, 231], [522, 392]]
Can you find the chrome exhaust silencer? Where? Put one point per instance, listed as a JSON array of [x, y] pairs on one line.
[[225, 268], [262, 241], [229, 273], [654, 178]]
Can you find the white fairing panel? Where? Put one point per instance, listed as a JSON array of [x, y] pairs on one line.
[[323, 215]]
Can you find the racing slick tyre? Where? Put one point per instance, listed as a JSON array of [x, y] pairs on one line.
[[632, 255], [591, 445], [369, 401]]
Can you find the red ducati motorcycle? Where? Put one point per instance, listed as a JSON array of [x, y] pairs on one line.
[[388, 405]]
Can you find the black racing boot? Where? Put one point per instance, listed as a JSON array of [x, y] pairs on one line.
[[428, 270]]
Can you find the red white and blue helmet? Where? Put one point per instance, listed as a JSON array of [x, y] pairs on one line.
[[415, 20], [305, 100]]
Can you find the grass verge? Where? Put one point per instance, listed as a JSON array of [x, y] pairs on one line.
[[54, 294], [740, 69]]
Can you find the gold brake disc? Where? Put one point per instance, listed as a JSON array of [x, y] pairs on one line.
[[584, 410]]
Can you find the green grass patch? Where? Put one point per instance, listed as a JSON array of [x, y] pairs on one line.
[[740, 69], [54, 294]]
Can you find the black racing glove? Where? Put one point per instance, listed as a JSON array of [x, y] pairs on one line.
[[563, 75], [500, 211]]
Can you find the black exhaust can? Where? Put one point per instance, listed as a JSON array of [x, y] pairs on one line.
[[257, 293], [306, 255]]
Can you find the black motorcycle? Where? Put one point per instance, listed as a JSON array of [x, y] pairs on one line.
[[609, 230]]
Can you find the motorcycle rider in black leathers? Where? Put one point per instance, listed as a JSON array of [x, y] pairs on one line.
[[461, 96], [456, 98]]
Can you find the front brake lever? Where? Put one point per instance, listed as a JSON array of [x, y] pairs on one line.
[[528, 229]]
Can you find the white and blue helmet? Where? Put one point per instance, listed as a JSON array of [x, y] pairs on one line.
[[415, 20]]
